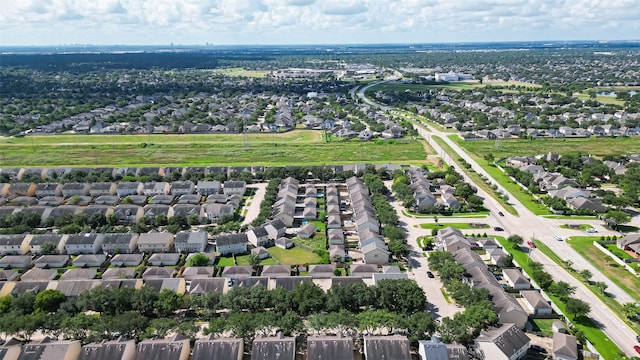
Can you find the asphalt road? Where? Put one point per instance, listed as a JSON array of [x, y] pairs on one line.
[[530, 226]]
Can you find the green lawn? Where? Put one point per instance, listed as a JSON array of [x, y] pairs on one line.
[[616, 273], [474, 176], [545, 326], [600, 341], [293, 256], [462, 226], [580, 227], [570, 217], [511, 186], [390, 86], [303, 147], [318, 241], [522, 147], [225, 261], [466, 215]]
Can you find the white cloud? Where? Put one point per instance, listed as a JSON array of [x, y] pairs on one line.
[[312, 21]]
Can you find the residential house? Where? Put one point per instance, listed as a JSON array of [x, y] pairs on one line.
[[49, 349], [75, 189], [15, 261], [432, 349], [336, 236], [13, 245], [504, 342], [48, 189], [152, 273], [38, 274], [275, 271], [120, 243], [151, 211], [565, 347], [337, 253], [127, 259], [210, 347], [387, 347], [79, 274], [19, 189], [8, 275], [629, 242], [163, 259], [322, 271], [375, 253], [84, 243], [89, 260], [127, 214], [153, 242], [186, 242], [307, 231], [110, 200], [103, 188], [330, 347], [216, 211], [275, 229], [129, 188], [237, 272], [140, 200], [284, 243], [120, 349], [156, 188], [182, 188], [234, 188], [591, 205], [231, 244], [119, 273], [258, 236], [273, 348], [51, 261], [260, 253], [197, 272], [516, 279], [206, 188], [38, 240], [535, 303], [176, 347], [363, 270]]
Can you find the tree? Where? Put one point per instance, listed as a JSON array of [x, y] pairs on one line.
[[577, 307], [421, 325], [167, 303], [398, 248], [562, 290], [614, 218], [601, 286], [402, 296], [631, 310], [49, 300], [199, 259], [586, 275], [48, 248], [254, 260], [516, 240], [308, 298]]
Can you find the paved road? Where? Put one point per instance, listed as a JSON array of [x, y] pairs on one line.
[[419, 265], [254, 208], [531, 226]]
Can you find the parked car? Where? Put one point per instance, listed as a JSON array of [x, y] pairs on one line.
[[497, 228], [531, 244], [430, 274], [638, 338], [592, 230], [500, 213], [637, 349], [538, 348], [558, 237]]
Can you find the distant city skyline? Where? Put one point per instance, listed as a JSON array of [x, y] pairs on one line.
[[263, 22]]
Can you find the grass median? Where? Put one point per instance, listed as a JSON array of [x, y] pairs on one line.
[[591, 331]]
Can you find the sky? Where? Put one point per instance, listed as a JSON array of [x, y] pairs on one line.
[[254, 22]]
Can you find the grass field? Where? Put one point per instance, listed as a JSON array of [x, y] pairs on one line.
[[614, 305], [317, 242], [295, 147], [242, 72], [594, 146], [579, 227], [293, 256], [571, 217], [600, 341], [462, 226], [246, 260], [473, 175], [225, 261], [545, 326], [621, 277]]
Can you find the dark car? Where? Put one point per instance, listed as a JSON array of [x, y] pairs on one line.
[[638, 338], [500, 213], [498, 228], [538, 348], [430, 274]]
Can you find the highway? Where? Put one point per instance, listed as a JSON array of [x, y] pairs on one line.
[[530, 226]]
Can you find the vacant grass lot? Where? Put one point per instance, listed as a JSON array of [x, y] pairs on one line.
[[246, 260], [594, 146], [419, 87], [293, 256], [317, 242], [474, 175], [295, 147], [600, 341], [621, 277]]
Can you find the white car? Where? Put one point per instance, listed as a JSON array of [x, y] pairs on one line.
[[592, 230], [558, 237]]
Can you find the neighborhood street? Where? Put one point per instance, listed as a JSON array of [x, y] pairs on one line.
[[530, 226]]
